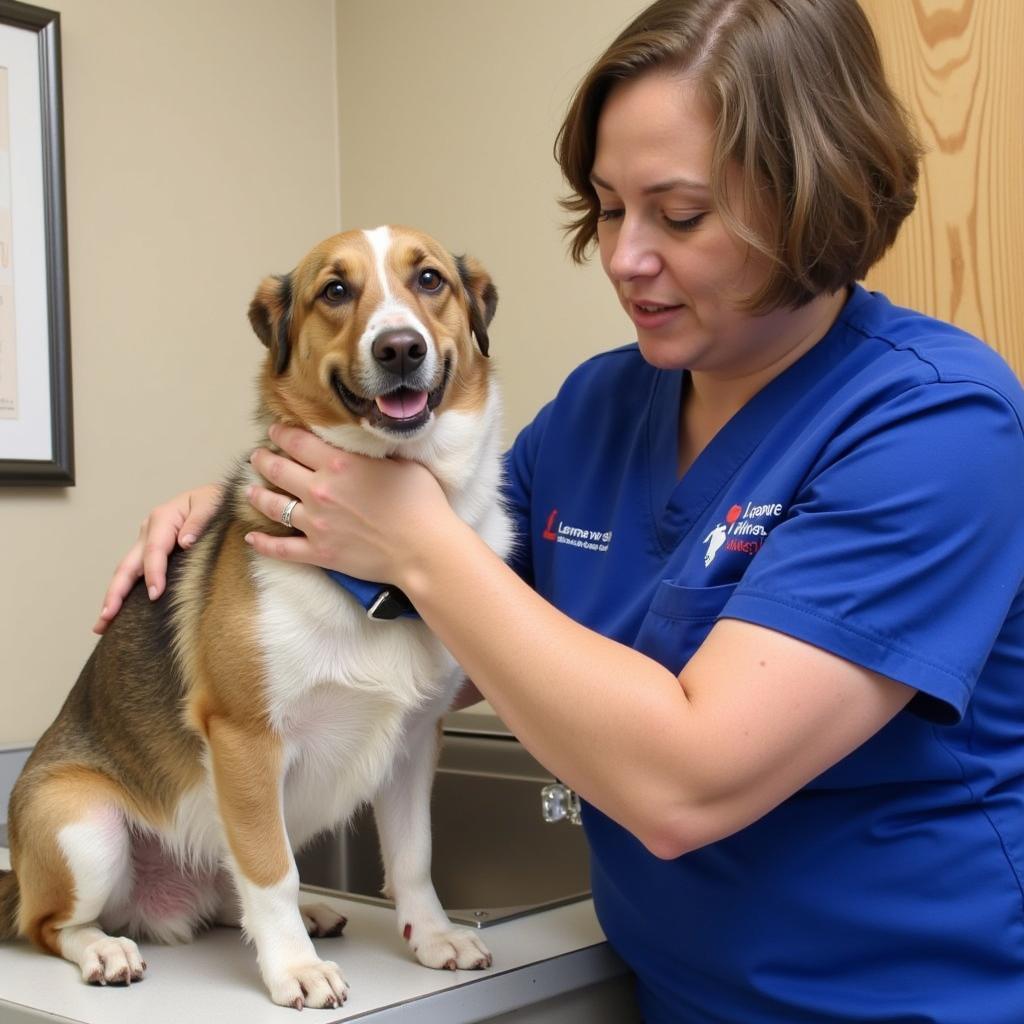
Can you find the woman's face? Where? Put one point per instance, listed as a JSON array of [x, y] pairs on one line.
[[677, 271]]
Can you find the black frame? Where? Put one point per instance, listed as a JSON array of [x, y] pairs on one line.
[[59, 470]]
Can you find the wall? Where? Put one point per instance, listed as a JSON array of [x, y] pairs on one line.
[[201, 152]]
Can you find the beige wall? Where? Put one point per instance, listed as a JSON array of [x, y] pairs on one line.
[[203, 141], [201, 151]]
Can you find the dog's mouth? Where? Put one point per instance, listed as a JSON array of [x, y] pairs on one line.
[[401, 410]]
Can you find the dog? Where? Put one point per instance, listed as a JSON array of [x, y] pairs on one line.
[[214, 732]]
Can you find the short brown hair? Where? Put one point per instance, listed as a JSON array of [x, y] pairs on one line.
[[801, 105]]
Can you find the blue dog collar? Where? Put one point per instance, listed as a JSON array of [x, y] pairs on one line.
[[381, 600]]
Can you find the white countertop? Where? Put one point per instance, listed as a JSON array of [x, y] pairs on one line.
[[216, 978]]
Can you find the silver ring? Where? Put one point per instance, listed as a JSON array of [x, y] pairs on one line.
[[286, 515]]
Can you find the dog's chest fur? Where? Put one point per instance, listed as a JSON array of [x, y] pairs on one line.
[[340, 690]]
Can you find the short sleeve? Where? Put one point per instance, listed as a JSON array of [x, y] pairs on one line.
[[517, 492], [904, 547]]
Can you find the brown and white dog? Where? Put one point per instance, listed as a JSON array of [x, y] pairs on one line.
[[211, 734]]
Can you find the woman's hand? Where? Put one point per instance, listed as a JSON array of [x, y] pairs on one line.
[[180, 521], [362, 516]]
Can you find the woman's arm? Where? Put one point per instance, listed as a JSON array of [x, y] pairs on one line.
[[680, 762], [179, 521]]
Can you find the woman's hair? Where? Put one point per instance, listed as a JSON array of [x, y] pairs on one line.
[[827, 154]]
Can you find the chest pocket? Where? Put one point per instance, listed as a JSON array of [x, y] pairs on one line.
[[678, 621]]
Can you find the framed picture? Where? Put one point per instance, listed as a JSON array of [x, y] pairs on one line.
[[35, 364]]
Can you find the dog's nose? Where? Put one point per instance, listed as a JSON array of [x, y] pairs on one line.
[[400, 351]]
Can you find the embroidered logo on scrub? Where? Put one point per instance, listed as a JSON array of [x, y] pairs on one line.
[[576, 536], [744, 530]]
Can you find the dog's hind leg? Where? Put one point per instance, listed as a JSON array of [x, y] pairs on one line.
[[73, 864], [402, 811]]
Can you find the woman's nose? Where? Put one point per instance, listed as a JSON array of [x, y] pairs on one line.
[[632, 253]]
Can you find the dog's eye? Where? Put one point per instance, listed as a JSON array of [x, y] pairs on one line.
[[334, 292], [430, 280]]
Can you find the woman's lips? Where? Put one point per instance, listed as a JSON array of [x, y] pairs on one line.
[[652, 314]]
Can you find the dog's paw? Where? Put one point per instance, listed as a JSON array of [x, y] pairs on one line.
[[321, 921], [112, 961], [318, 984], [448, 948]]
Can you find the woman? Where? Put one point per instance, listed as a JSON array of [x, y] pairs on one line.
[[766, 615]]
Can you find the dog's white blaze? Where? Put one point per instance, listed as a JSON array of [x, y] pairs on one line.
[[392, 312], [380, 242]]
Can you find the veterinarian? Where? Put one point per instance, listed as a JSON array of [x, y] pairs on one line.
[[766, 615]]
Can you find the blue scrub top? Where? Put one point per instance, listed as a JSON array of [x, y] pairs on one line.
[[869, 500]]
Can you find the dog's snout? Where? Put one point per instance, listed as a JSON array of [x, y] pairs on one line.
[[400, 351]]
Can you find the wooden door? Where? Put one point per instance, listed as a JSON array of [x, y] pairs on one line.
[[956, 64]]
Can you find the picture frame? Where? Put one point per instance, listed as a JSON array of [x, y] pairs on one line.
[[36, 436]]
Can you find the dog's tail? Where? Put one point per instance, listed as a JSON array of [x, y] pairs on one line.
[[8, 905]]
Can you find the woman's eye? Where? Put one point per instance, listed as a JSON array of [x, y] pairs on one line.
[[335, 292], [430, 280], [687, 224], [609, 214]]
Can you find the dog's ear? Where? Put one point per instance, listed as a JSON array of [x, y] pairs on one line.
[[482, 297], [270, 314]]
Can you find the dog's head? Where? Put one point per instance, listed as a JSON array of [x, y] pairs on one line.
[[381, 330]]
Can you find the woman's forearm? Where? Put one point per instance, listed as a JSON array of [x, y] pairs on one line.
[[590, 709]]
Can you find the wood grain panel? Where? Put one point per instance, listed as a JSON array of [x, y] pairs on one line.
[[960, 256]]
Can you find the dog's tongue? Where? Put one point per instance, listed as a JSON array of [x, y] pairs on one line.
[[402, 404]]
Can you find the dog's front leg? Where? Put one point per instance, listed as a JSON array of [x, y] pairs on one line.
[[402, 810], [247, 772]]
